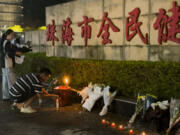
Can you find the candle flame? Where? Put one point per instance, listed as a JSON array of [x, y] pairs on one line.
[[66, 80], [143, 133], [113, 125], [103, 121], [120, 127], [131, 131]]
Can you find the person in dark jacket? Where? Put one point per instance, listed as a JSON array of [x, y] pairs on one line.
[[8, 53]]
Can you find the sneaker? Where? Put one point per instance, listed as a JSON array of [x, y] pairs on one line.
[[28, 109]]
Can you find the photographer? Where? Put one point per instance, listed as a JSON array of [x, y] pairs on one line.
[[8, 54]]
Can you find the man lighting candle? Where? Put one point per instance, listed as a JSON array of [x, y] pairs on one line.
[[27, 88]]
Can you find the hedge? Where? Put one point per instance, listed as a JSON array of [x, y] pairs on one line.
[[127, 77]]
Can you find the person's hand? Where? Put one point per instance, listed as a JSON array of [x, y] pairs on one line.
[[44, 91], [19, 53]]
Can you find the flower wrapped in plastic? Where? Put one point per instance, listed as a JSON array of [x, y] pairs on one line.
[[139, 107], [174, 114], [108, 98], [93, 95], [84, 92], [162, 105], [143, 103]]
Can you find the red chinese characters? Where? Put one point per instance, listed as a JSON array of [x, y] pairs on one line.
[[50, 34], [168, 27], [161, 25], [174, 21], [133, 26], [67, 32], [86, 29], [105, 28]]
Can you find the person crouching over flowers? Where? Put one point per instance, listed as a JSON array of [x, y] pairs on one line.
[[27, 88]]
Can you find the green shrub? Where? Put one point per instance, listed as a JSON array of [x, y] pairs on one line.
[[128, 77]]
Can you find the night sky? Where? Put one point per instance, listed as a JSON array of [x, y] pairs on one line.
[[34, 11]]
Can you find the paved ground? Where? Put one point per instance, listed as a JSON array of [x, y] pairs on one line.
[[70, 120], [48, 121]]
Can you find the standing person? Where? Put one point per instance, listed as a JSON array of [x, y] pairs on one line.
[[8, 53]]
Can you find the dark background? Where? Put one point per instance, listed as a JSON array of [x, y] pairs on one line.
[[34, 11]]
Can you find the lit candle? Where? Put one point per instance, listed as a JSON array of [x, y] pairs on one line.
[[113, 125], [131, 132], [103, 121], [143, 133], [120, 127], [66, 80]]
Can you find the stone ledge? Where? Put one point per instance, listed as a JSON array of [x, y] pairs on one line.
[[114, 52]]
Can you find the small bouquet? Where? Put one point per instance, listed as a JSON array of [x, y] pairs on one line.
[[174, 113], [139, 107], [143, 103], [108, 98], [92, 93]]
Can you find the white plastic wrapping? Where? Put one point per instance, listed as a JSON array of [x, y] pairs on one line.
[[20, 59], [162, 105], [174, 111], [94, 95], [108, 98], [84, 93]]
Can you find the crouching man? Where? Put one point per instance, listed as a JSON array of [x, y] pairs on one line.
[[27, 88]]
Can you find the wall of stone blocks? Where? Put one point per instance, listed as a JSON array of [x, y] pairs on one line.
[[38, 40], [120, 49]]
